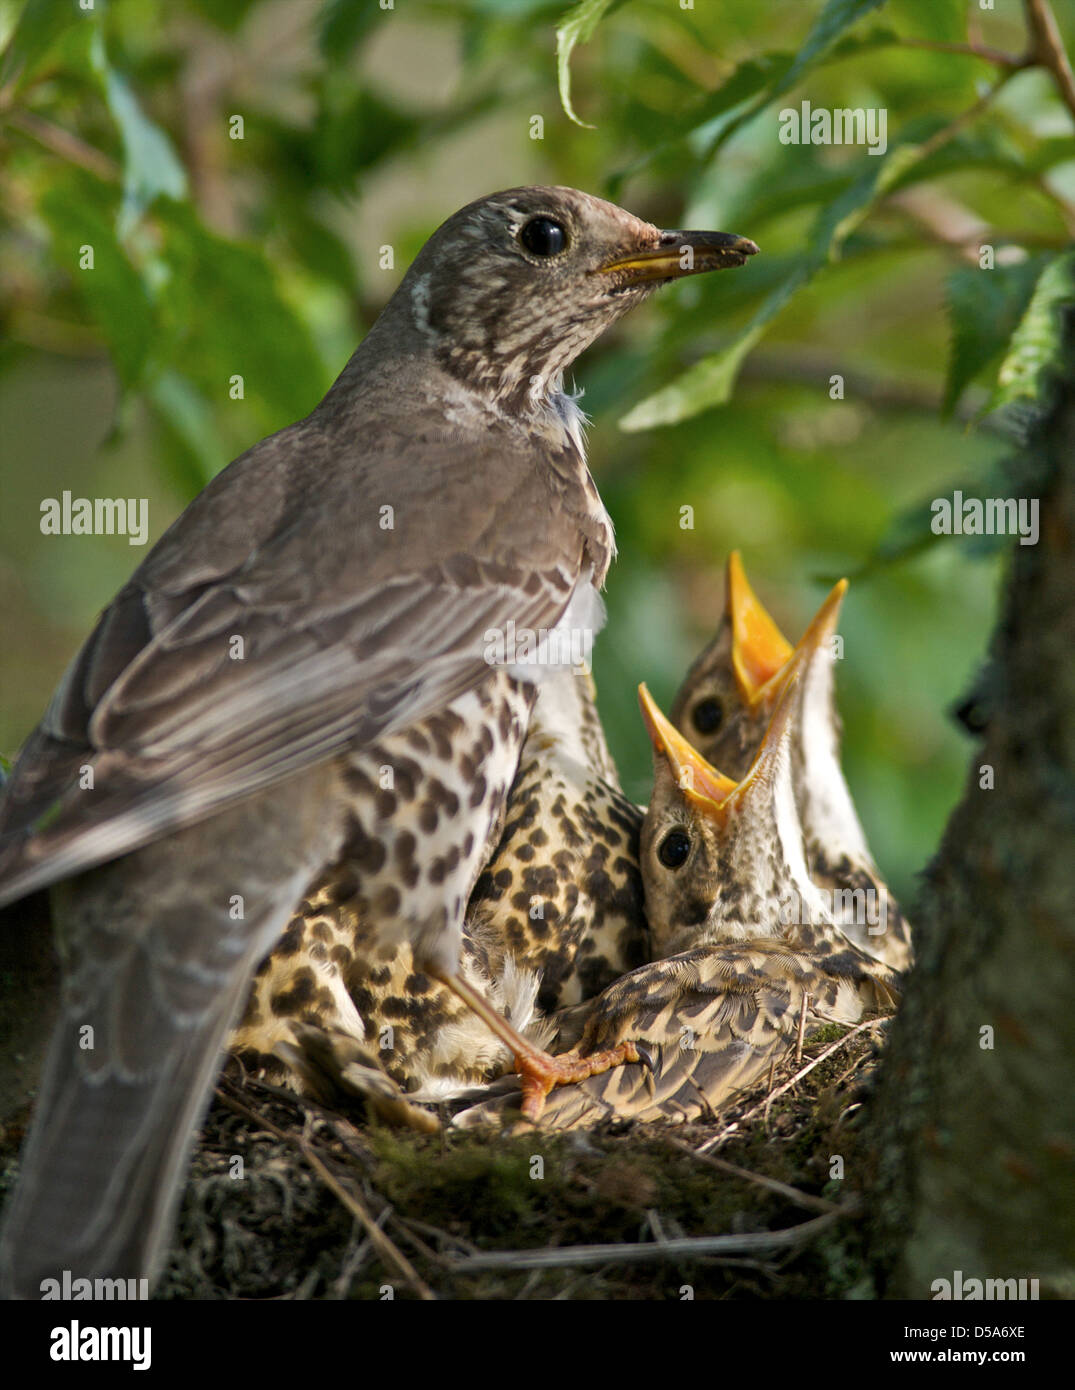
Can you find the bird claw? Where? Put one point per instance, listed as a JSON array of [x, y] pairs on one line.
[[540, 1073]]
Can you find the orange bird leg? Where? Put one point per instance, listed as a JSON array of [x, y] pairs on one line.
[[538, 1070], [567, 1069]]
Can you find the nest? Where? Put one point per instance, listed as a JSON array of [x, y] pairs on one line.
[[289, 1200]]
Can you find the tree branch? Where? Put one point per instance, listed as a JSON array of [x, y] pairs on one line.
[[61, 142], [1047, 48], [965, 118], [971, 50]]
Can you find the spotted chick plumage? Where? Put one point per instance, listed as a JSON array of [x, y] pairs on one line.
[[555, 917], [751, 955]]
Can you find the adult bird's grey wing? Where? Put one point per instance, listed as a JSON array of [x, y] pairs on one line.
[[244, 650]]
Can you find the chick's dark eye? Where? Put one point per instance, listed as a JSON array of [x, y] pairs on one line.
[[707, 716], [674, 848], [543, 237]]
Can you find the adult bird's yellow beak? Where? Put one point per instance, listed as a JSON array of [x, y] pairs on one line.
[[678, 254]]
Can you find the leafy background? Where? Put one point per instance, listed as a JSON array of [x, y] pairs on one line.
[[364, 127]]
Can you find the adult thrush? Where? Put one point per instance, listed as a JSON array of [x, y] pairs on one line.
[[233, 722], [723, 707], [752, 957]]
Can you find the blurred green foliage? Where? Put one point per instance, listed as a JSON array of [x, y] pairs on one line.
[[239, 166]]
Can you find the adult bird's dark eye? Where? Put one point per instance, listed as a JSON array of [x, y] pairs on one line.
[[543, 237], [674, 848], [707, 716]]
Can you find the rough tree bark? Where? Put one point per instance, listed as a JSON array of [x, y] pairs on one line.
[[974, 1146]]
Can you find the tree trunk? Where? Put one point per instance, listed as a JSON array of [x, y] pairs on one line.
[[973, 1128]]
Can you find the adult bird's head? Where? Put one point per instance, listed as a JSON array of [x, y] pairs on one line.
[[510, 289]]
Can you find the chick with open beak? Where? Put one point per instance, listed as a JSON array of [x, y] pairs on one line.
[[753, 958], [723, 708]]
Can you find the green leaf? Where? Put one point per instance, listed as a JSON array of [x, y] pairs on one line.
[[911, 530], [78, 213], [935, 19], [749, 88], [820, 44], [577, 28], [1045, 153], [39, 25], [226, 317], [707, 121], [355, 130], [835, 18], [319, 249], [714, 115], [855, 44], [1037, 343], [150, 165], [984, 309], [849, 211], [185, 411], [760, 80], [227, 16], [987, 148], [783, 186], [710, 381], [343, 25]]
